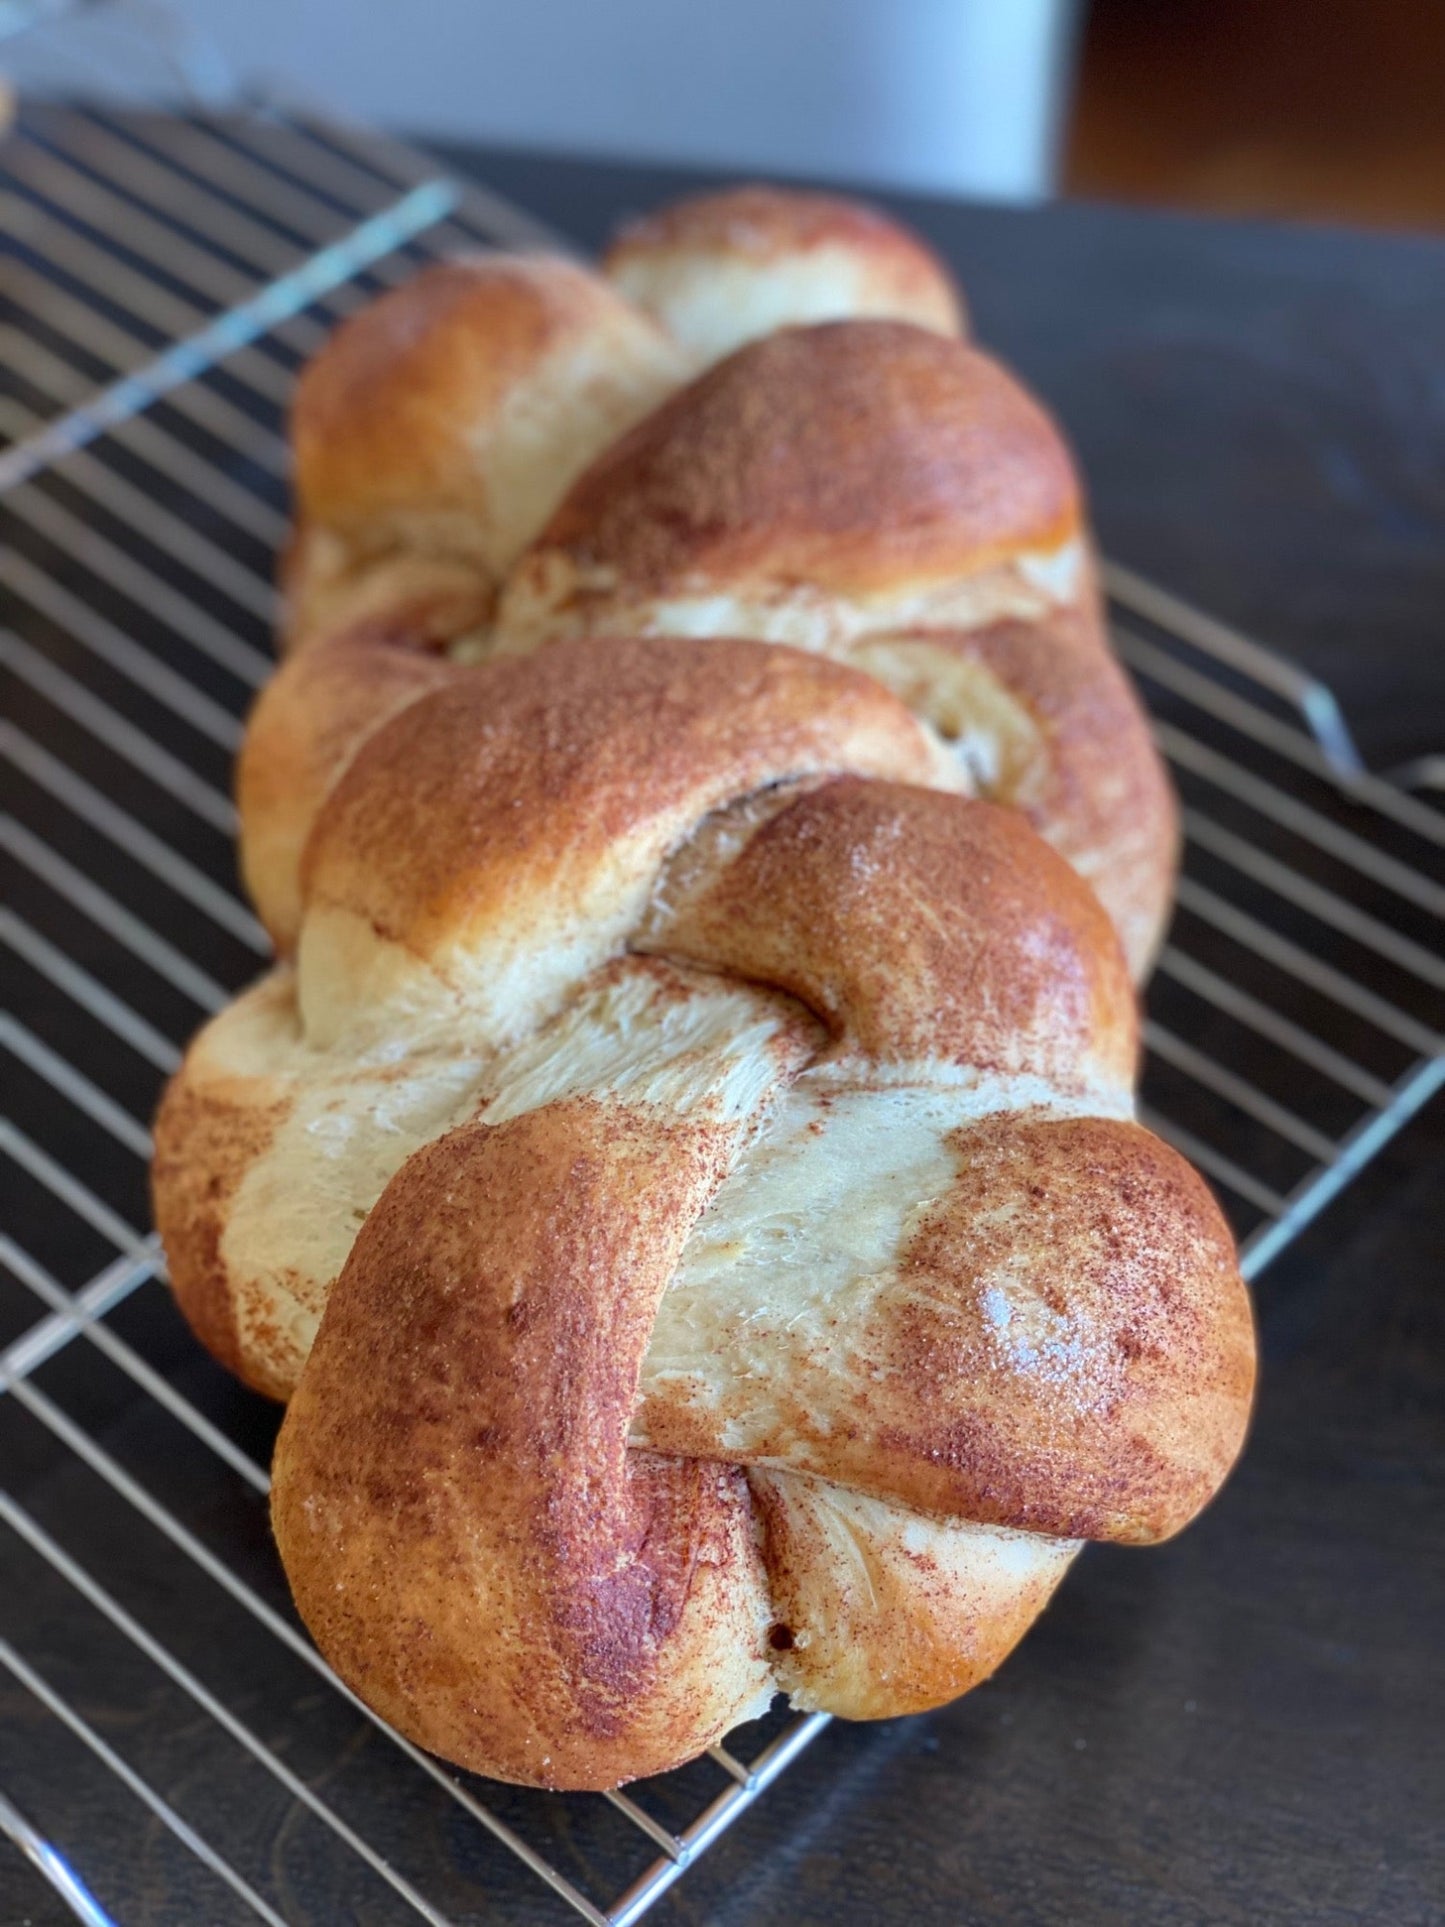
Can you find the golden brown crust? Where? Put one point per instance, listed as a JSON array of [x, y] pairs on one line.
[[309, 721], [1066, 1348], [852, 457], [782, 1306], [512, 796], [453, 1495], [765, 223], [893, 499], [380, 415], [1082, 766], [719, 268], [1107, 1395], [1058, 1346], [443, 421], [913, 924], [206, 1139], [448, 418]]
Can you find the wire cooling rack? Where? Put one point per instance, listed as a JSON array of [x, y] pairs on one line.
[[172, 1746]]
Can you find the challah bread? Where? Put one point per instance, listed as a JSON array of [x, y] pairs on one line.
[[307, 724], [681, 1170], [443, 423], [894, 498], [308, 1092], [439, 426], [746, 1272], [828, 481], [721, 269], [506, 453]]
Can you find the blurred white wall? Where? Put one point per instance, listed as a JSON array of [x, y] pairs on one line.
[[962, 96]]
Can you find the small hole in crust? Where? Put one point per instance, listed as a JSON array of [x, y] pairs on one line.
[[780, 1638]]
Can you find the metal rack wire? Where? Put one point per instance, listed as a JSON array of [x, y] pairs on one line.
[[170, 277]]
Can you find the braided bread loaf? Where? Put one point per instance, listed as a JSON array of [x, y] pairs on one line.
[[482, 465], [681, 1171]]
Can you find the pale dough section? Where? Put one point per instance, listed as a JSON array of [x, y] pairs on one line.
[[881, 1611], [643, 1031]]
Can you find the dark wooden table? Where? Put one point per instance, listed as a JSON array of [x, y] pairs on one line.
[[1249, 1724]]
